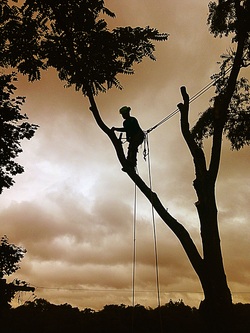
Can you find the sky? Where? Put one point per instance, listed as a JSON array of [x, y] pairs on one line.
[[73, 208]]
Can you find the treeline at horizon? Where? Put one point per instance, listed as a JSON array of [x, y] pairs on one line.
[[173, 317]]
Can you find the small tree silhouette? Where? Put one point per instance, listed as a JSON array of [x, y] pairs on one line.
[[10, 256]]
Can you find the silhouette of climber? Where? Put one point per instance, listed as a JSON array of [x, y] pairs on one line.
[[134, 134]]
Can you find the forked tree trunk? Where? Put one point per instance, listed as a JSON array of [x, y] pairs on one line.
[[209, 268], [217, 305]]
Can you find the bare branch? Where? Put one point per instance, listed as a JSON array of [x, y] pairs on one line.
[[196, 151]]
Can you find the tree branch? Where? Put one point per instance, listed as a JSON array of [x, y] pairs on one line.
[[181, 233], [177, 228], [195, 150], [221, 106], [116, 142]]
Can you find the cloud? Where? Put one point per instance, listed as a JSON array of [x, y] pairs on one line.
[[73, 208]]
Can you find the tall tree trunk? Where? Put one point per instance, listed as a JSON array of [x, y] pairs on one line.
[[217, 304]]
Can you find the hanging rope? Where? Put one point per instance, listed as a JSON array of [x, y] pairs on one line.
[[134, 248], [146, 147], [134, 256], [154, 225], [192, 99], [154, 234]]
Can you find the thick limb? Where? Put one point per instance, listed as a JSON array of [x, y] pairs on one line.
[[181, 233]]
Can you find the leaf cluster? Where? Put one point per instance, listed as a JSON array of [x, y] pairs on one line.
[[10, 256], [237, 125], [13, 128], [173, 317], [229, 17], [73, 37]]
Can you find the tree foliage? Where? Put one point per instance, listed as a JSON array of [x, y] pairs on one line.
[[229, 17], [71, 37], [176, 317], [237, 125], [10, 256], [13, 128], [172, 317]]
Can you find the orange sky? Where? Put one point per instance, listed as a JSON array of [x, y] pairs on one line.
[[72, 209]]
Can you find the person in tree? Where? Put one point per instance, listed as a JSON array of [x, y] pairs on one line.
[[134, 134]]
